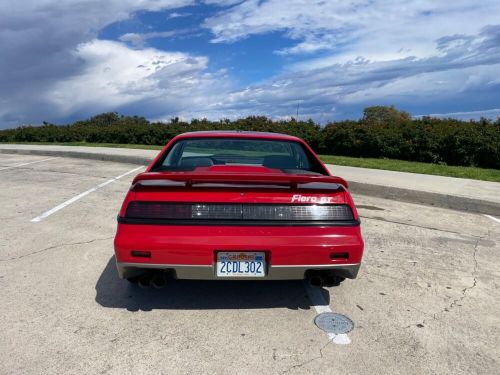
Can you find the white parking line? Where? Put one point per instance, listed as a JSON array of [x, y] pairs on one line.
[[492, 218], [23, 164], [321, 306], [80, 196]]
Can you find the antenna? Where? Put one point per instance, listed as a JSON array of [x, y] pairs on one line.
[[298, 104]]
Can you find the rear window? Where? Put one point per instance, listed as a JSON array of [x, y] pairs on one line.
[[289, 156]]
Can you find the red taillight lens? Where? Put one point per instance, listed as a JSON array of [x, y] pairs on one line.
[[155, 210]]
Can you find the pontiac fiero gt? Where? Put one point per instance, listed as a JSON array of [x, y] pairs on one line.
[[238, 205]]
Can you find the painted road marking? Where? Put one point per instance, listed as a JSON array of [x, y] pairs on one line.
[[80, 196], [23, 164], [492, 218], [321, 306]]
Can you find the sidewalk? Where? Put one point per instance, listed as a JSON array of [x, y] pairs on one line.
[[448, 192], [121, 155]]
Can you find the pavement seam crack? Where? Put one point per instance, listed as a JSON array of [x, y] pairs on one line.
[[71, 173], [54, 247], [465, 290], [417, 226], [474, 281], [61, 172], [299, 365]]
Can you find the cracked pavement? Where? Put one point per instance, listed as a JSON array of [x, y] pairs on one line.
[[426, 301]]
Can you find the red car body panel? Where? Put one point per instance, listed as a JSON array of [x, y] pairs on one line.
[[191, 250], [190, 245]]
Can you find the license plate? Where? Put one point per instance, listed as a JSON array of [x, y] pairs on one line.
[[241, 264]]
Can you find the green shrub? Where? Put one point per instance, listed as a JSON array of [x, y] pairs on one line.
[[383, 132], [430, 140]]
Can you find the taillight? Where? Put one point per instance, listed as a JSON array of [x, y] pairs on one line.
[[295, 212], [152, 210], [250, 212]]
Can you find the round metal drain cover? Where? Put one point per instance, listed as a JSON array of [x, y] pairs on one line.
[[334, 323]]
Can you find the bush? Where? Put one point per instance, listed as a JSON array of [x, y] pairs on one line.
[[430, 140], [382, 132]]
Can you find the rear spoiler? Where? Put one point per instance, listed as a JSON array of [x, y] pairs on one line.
[[192, 178]]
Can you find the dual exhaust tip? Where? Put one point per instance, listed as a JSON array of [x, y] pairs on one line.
[[156, 280], [318, 279], [327, 279]]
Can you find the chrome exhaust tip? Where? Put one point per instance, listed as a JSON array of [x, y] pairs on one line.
[[144, 281], [158, 281], [316, 280]]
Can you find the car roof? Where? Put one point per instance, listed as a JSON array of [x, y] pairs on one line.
[[238, 134]]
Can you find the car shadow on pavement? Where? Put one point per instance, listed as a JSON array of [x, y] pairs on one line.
[[113, 292]]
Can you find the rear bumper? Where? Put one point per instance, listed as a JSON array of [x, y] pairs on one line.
[[296, 272], [191, 251]]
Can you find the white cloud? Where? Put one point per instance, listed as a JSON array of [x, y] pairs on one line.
[[38, 39], [355, 27], [177, 15], [490, 113], [114, 76], [223, 3], [465, 73], [423, 54], [138, 39]]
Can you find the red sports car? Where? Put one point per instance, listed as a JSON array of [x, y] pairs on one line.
[[238, 205]]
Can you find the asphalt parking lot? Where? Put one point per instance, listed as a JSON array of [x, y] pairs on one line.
[[426, 301]]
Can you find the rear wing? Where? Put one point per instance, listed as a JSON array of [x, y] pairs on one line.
[[188, 179]]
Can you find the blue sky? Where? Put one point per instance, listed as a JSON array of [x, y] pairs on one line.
[[63, 61], [249, 60]]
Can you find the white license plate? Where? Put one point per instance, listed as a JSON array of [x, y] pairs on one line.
[[241, 264]]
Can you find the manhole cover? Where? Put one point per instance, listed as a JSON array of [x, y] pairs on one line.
[[334, 323]]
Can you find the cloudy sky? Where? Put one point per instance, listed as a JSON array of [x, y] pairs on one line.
[[62, 60]]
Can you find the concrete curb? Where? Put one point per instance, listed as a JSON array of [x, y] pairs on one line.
[[131, 159], [426, 198], [380, 191]]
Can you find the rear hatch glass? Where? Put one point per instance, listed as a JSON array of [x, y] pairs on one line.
[[288, 156]]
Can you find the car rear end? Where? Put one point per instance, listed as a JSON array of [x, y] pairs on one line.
[[238, 221]]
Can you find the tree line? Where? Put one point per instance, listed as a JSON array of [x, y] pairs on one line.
[[382, 132]]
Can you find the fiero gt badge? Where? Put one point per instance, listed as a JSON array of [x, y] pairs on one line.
[[299, 198]]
